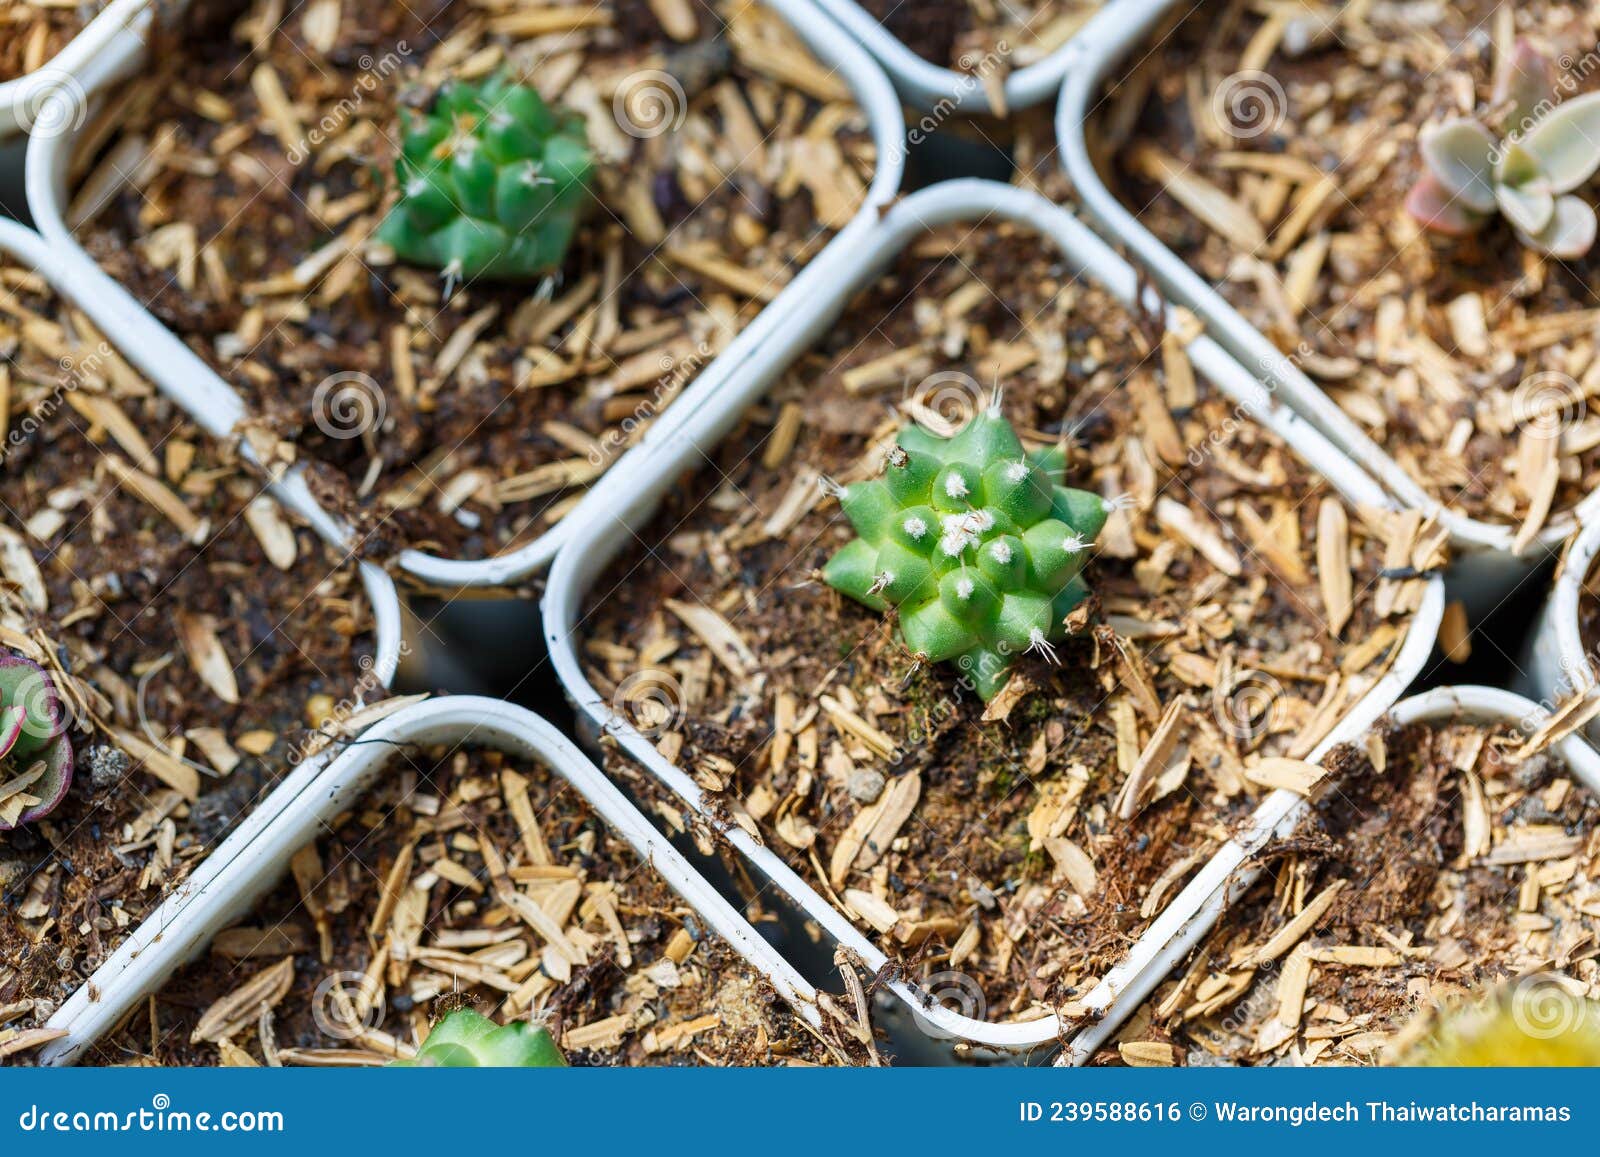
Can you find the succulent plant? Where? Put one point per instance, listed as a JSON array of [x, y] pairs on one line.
[[1527, 174], [492, 183], [1541, 1026], [469, 1040], [35, 753], [976, 542]]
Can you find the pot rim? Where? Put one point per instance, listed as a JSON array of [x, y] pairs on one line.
[[22, 97], [938, 89]]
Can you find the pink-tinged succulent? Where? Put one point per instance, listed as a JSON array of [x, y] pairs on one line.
[[1527, 175], [35, 753]]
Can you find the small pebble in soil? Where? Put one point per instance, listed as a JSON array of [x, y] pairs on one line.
[[105, 766], [865, 785]]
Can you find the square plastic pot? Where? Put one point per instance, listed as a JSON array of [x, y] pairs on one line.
[[256, 856], [1485, 568], [630, 494], [1486, 706], [1557, 664], [183, 374]]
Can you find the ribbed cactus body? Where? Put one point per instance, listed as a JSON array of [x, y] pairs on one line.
[[976, 542], [469, 1040], [34, 747], [492, 183]]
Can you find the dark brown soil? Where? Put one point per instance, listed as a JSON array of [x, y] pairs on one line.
[[975, 879], [1437, 919], [623, 1005], [1424, 340], [477, 449], [126, 594]]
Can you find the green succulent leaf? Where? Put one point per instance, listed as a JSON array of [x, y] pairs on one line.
[[1460, 154], [492, 183], [469, 1040], [1551, 150], [1528, 207], [1565, 142], [1570, 233], [975, 542]]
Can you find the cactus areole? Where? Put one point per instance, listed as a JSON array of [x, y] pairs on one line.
[[469, 1040], [492, 183], [35, 753], [975, 541]]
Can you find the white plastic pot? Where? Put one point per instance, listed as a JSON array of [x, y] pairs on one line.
[[182, 373], [24, 99], [1557, 665], [941, 91], [1485, 569], [625, 500], [1486, 706], [256, 856]]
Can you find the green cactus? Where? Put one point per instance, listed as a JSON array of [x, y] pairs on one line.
[[1528, 175], [976, 542], [35, 753], [492, 183], [469, 1040]]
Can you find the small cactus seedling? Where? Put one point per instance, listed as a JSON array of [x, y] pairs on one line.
[[492, 183], [1542, 1026], [469, 1040], [35, 753], [976, 542], [1527, 174]]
